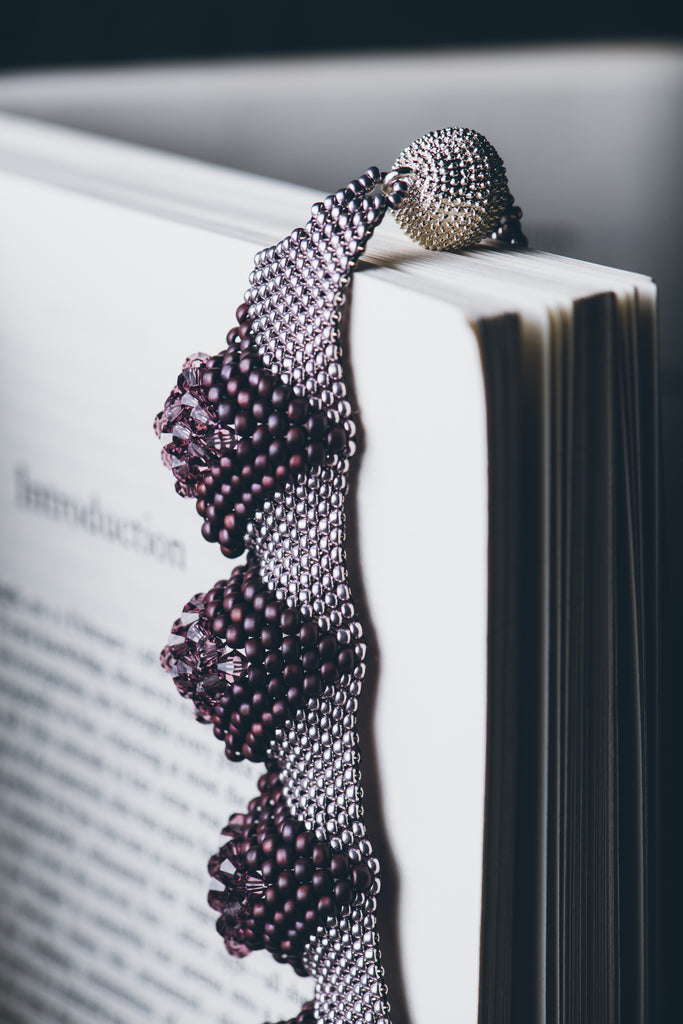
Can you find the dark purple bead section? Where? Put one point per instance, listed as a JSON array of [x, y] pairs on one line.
[[248, 661], [285, 881], [239, 434]]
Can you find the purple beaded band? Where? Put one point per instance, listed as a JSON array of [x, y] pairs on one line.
[[286, 882], [239, 435], [272, 658], [249, 661], [261, 436]]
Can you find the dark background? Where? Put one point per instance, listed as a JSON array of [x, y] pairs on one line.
[[37, 33]]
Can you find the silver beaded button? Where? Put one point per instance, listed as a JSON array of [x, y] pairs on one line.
[[456, 191]]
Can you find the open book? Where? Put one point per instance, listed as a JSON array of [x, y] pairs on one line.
[[510, 597]]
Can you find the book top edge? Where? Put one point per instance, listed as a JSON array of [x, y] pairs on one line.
[[486, 280]]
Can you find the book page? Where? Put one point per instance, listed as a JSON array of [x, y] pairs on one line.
[[422, 528], [112, 796]]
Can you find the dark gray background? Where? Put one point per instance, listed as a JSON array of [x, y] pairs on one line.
[[44, 32]]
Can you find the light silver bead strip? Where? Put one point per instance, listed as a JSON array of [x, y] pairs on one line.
[[345, 962], [295, 299], [448, 190]]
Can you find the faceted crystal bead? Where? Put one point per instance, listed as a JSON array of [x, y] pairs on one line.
[[192, 375], [232, 665], [182, 432], [179, 467], [171, 414], [200, 416], [206, 653], [196, 633]]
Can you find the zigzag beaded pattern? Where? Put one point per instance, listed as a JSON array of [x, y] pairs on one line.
[[286, 881], [238, 435], [249, 661], [261, 436]]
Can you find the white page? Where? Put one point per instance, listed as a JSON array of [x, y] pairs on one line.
[[120, 297], [99, 307], [113, 796], [423, 535]]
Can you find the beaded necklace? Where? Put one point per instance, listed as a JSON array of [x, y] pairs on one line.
[[261, 437]]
